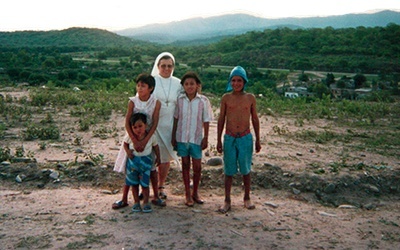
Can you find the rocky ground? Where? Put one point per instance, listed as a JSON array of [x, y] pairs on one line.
[[308, 195]]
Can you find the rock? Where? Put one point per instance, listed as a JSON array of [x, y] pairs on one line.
[[270, 212], [78, 150], [54, 174], [372, 188], [271, 204], [105, 191], [20, 178], [295, 184], [369, 206], [23, 159], [215, 161], [89, 162], [296, 191], [326, 214], [330, 188], [267, 164], [347, 207], [60, 166]]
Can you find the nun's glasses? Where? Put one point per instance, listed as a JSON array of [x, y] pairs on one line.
[[170, 66]]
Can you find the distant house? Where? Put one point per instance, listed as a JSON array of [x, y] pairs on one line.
[[362, 92], [291, 94], [339, 93], [294, 92]]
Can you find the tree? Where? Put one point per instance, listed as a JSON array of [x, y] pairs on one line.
[[320, 90], [303, 77], [330, 79], [359, 80]]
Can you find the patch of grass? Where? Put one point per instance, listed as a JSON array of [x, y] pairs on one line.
[[48, 119], [390, 236], [88, 242], [44, 133], [318, 137], [3, 128], [34, 242], [89, 219], [103, 132], [5, 154], [389, 223]]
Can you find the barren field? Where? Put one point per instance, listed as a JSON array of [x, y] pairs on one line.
[[308, 195]]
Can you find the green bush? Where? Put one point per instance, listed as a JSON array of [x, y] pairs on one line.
[[5, 154], [34, 132]]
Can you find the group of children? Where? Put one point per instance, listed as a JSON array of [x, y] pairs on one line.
[[141, 155]]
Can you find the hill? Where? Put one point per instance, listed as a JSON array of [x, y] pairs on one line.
[[235, 24], [72, 37]]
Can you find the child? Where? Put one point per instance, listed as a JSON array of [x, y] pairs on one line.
[[192, 114], [139, 164], [236, 111], [146, 103]]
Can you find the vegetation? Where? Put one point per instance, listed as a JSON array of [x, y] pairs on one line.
[[81, 70]]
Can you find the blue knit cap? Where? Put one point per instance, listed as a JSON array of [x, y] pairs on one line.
[[237, 71]]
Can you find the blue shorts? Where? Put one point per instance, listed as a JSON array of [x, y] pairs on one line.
[[138, 171], [238, 152], [188, 149]]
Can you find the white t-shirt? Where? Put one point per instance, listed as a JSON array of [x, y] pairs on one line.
[[148, 148]]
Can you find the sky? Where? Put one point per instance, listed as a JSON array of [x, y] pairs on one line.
[[44, 15]]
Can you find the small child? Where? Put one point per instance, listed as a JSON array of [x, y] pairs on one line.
[[237, 109], [192, 114], [139, 164], [143, 102]]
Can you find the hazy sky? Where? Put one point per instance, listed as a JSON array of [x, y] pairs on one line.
[[120, 14]]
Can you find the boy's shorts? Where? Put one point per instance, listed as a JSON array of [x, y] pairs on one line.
[[138, 171], [238, 152], [189, 149]]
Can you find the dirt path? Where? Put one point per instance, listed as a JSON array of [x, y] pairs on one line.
[[82, 218]]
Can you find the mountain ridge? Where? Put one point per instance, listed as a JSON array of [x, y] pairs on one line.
[[236, 24]]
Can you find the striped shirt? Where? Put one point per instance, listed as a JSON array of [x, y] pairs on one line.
[[191, 115]]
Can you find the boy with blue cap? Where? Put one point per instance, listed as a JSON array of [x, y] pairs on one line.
[[237, 109]]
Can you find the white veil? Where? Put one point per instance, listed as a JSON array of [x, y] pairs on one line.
[[155, 71]]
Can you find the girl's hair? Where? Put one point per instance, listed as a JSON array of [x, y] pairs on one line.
[[147, 79], [190, 74], [138, 117]]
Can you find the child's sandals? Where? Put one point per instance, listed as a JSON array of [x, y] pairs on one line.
[[162, 194], [147, 208], [119, 204], [136, 208], [159, 202]]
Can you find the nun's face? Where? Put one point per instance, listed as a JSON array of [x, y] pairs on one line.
[[166, 66]]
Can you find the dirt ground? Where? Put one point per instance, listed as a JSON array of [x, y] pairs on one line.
[[63, 197]]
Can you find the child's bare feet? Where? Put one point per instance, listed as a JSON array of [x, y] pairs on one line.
[[189, 202], [197, 199], [249, 205], [225, 208]]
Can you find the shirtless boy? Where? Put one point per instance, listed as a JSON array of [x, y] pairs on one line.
[[236, 111]]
